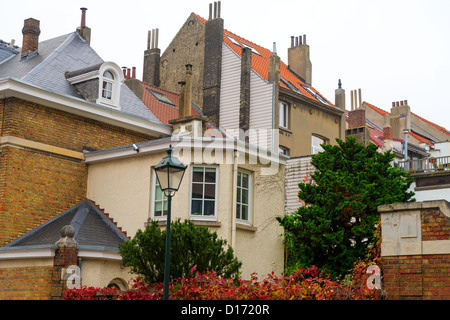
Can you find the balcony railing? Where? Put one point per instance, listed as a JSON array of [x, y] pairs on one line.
[[425, 165]]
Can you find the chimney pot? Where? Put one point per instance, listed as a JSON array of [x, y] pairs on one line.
[[133, 75], [128, 73], [83, 16]]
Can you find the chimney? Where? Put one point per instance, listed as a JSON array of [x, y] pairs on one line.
[[298, 58], [339, 96], [30, 33], [355, 96], [400, 118], [181, 99], [244, 109], [187, 124], [152, 58], [134, 84], [83, 30], [188, 92], [212, 71]]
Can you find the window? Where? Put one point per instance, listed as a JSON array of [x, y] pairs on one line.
[[203, 191], [161, 97], [110, 78], [316, 144], [284, 115], [283, 150], [107, 87], [160, 201], [243, 196]]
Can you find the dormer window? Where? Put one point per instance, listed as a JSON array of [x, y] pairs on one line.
[[108, 82], [99, 83]]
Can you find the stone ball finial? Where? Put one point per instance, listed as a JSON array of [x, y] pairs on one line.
[[67, 231], [67, 234]]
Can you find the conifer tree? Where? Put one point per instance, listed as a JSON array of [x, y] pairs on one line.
[[191, 246], [337, 225]]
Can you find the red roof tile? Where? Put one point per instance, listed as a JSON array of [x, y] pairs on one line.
[[163, 111]]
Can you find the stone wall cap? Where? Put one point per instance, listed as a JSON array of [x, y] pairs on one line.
[[443, 205]]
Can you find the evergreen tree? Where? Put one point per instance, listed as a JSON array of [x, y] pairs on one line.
[[190, 246], [337, 225]]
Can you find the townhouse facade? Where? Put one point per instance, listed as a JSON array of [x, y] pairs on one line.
[[245, 88]]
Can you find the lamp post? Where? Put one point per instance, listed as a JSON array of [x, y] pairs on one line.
[[169, 172]]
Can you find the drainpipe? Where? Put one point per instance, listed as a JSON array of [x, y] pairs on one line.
[[233, 201], [406, 149]]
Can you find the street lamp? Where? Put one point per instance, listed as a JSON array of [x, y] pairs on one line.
[[169, 172]]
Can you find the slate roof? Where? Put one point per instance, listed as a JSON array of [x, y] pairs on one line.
[[6, 51], [93, 229], [66, 53], [260, 64]]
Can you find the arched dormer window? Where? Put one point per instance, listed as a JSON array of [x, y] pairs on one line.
[[107, 86], [111, 78]]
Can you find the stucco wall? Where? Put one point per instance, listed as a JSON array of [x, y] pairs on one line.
[[123, 188]]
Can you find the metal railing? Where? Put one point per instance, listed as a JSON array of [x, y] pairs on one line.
[[425, 165]]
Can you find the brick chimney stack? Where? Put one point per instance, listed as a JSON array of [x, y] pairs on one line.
[[212, 71], [30, 33], [152, 58]]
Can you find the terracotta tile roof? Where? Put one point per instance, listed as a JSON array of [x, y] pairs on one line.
[[420, 138], [260, 64], [166, 111], [380, 111]]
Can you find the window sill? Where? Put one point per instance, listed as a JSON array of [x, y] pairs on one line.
[[206, 223], [246, 227]]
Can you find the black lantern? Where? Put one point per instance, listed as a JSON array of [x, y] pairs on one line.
[[170, 172]]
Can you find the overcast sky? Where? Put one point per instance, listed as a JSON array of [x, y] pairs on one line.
[[392, 49]]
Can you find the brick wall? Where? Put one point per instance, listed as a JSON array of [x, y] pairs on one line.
[[356, 118], [29, 283], [425, 275], [417, 277], [36, 185]]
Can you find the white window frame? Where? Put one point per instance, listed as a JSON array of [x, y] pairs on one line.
[[153, 199], [317, 148], [283, 117], [115, 84], [250, 198], [216, 189]]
